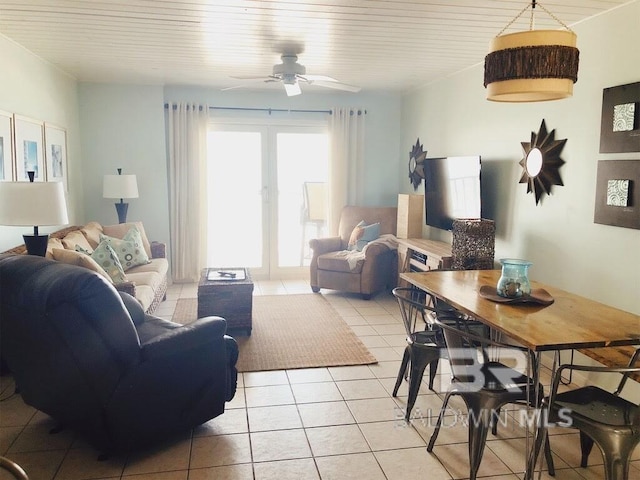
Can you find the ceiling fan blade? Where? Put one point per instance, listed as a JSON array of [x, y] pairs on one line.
[[248, 81], [232, 88], [318, 78], [336, 85], [263, 78], [251, 77]]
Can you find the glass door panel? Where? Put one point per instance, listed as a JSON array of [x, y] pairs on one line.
[[258, 213], [235, 226], [302, 158]]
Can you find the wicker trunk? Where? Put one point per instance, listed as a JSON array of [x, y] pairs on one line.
[[229, 298]]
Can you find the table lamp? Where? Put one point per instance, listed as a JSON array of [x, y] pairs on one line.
[[33, 203], [120, 186]]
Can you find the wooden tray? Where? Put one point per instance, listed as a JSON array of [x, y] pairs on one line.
[[537, 296]]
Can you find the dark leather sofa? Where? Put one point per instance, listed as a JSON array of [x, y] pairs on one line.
[[89, 357]]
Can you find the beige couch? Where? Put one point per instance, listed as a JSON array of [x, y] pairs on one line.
[[366, 272], [147, 282]]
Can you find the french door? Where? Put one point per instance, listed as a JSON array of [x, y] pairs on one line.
[[256, 176]]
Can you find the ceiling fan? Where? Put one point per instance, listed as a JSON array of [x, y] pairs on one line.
[[291, 74]]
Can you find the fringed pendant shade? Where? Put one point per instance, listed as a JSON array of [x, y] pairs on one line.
[[531, 66]]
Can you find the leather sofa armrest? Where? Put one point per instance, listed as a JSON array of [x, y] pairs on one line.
[[158, 250], [126, 287], [324, 245], [189, 337]]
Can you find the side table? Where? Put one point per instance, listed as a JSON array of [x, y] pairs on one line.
[[227, 296]]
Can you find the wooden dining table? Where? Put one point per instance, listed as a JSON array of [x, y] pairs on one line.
[[570, 322]]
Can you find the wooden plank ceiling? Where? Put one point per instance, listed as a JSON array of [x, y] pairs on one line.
[[375, 44]]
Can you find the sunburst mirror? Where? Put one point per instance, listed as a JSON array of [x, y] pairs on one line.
[[416, 164], [541, 162]]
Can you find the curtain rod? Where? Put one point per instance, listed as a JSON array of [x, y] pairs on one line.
[[271, 110]]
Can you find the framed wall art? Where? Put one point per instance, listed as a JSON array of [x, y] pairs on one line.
[[29, 138], [618, 193], [55, 156], [620, 121], [7, 156]]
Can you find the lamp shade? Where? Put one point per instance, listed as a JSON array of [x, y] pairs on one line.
[[531, 66], [32, 204], [120, 186]]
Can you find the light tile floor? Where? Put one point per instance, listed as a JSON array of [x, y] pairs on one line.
[[323, 423]]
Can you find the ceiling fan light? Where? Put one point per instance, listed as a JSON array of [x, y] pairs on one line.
[[531, 66], [292, 89]]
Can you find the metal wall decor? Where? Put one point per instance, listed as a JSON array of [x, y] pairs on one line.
[[618, 193], [620, 121], [416, 164], [541, 162]]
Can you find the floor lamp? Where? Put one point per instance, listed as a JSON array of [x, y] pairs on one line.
[[33, 204], [120, 186]]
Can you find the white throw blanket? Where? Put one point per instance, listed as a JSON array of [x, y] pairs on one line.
[[354, 256]]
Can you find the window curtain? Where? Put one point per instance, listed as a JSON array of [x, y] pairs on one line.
[[346, 165], [187, 133]]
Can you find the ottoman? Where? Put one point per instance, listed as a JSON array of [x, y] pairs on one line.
[[227, 293]]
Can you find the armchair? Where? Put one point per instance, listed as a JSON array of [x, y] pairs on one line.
[[377, 267], [93, 360]]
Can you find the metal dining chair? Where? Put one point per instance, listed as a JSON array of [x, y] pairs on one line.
[[422, 348], [425, 341], [485, 384], [13, 468], [603, 417]]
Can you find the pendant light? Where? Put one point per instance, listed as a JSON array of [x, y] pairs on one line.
[[531, 66]]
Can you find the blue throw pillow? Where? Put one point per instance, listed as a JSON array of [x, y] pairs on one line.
[[363, 234]]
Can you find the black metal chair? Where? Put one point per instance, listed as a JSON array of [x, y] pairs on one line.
[[422, 348], [603, 417], [486, 385], [13, 468], [425, 341]]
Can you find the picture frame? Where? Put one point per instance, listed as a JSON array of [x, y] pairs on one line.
[[55, 141], [620, 120], [7, 156], [29, 148], [618, 193]]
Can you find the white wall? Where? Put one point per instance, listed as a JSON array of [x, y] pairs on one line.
[[452, 117], [36, 89], [123, 127]]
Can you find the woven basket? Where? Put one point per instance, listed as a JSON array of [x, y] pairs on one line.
[[473, 244]]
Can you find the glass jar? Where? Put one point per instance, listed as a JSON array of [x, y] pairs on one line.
[[514, 281]]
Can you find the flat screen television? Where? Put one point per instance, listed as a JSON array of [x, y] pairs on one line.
[[451, 190]]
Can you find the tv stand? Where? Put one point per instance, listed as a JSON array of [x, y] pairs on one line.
[[421, 255]]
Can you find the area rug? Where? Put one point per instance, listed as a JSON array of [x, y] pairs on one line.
[[291, 331]]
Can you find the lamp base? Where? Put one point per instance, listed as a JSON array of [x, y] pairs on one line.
[[122, 208], [36, 244]]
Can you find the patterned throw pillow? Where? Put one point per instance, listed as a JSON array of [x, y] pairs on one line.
[[363, 234], [129, 249], [108, 260], [120, 230], [81, 259]]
